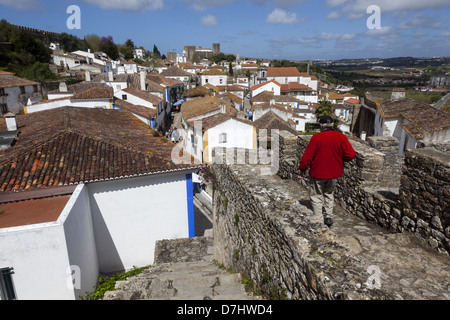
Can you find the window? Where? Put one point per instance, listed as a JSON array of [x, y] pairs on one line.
[[3, 108], [35, 88], [223, 138], [2, 91], [124, 97], [22, 90], [7, 291]]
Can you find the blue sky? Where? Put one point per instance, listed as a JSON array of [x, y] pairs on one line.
[[278, 29]]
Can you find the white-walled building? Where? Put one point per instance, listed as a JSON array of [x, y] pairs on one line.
[[112, 193], [15, 92], [271, 86], [410, 122], [213, 76], [219, 130], [95, 97]]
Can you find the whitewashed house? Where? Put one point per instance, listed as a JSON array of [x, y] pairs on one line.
[[15, 92], [219, 130], [213, 76], [270, 86], [410, 122], [100, 97], [111, 195]]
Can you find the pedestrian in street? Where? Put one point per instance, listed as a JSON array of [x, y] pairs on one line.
[[325, 156]]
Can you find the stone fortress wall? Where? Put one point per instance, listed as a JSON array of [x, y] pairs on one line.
[[261, 227]]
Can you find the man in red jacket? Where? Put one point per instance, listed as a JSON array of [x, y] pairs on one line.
[[325, 156]]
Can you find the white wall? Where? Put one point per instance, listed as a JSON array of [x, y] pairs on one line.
[[15, 99], [215, 80], [79, 231], [239, 135], [133, 99], [269, 86], [105, 104], [39, 253], [130, 215]]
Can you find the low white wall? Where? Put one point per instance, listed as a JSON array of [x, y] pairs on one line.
[[39, 253], [130, 215], [79, 232]]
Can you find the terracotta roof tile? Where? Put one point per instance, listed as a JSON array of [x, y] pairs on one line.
[[424, 118], [144, 95], [94, 93], [200, 106], [74, 145], [283, 72], [8, 80]]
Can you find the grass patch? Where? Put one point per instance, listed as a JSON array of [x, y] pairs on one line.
[[108, 282]]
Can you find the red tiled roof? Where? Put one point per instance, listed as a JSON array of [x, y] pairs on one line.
[[283, 72], [294, 86], [94, 94], [257, 86], [75, 145], [144, 95], [8, 80]]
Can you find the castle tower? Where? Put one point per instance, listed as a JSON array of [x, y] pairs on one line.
[[216, 48]]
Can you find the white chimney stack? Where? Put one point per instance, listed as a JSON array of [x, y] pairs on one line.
[[87, 76], [62, 87], [11, 123], [143, 77], [223, 108], [110, 76]]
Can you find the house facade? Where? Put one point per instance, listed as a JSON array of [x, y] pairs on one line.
[[65, 226], [410, 122], [213, 76], [15, 92]]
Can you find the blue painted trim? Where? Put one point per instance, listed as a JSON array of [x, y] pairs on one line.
[[190, 204]]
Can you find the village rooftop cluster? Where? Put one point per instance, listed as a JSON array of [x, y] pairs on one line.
[[87, 170]]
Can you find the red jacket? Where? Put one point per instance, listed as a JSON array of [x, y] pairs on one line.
[[325, 155]]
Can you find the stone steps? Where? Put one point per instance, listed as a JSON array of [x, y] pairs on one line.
[[199, 280]]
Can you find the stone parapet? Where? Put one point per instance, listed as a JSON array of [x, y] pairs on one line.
[[425, 196], [262, 230]]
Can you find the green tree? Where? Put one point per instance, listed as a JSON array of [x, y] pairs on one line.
[[93, 41], [70, 43], [324, 109], [126, 51], [107, 46], [129, 43], [156, 53]]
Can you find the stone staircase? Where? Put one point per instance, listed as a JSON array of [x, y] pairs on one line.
[[183, 270]]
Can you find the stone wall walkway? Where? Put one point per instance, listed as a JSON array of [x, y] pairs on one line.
[[396, 263]]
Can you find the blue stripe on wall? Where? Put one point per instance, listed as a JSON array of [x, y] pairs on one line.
[[190, 204]]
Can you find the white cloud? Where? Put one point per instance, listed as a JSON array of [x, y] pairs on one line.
[[209, 20], [200, 5], [357, 8], [420, 21], [334, 15], [280, 16], [21, 5], [128, 5]]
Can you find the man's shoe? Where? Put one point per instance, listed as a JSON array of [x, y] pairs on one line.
[[328, 222]]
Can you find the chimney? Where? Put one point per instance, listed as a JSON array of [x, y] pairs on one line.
[[87, 77], [62, 87], [11, 123], [223, 108], [143, 76], [272, 102], [110, 76], [398, 94]]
